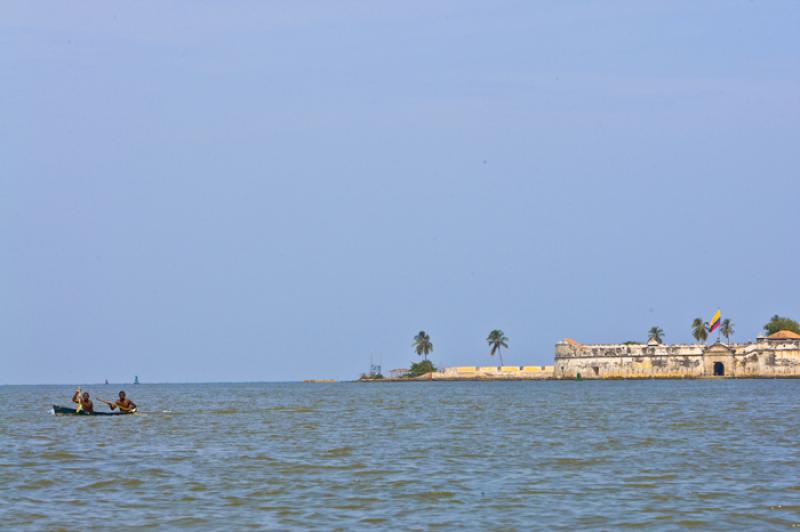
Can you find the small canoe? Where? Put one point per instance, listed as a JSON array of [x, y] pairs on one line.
[[69, 411]]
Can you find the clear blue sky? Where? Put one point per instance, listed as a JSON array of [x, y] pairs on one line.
[[209, 191]]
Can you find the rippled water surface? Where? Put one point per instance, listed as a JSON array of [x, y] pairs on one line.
[[668, 454]]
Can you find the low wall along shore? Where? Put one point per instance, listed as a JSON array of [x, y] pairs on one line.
[[493, 373]]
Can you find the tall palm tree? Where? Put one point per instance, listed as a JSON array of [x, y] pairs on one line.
[[422, 344], [497, 340], [700, 330], [726, 329], [656, 334]]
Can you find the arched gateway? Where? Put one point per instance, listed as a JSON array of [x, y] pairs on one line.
[[718, 361]]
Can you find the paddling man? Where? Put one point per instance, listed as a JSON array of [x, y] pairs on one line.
[[83, 401], [124, 404]]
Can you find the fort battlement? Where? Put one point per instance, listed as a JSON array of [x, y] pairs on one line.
[[576, 350]]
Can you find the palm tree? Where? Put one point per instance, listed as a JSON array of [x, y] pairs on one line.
[[700, 330], [497, 340], [422, 344], [726, 329], [656, 334]]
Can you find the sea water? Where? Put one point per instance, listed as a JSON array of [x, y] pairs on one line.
[[479, 455]]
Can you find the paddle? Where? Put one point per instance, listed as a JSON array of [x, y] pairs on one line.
[[121, 409], [109, 403], [80, 405]]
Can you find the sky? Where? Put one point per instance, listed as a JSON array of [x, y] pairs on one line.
[[271, 191]]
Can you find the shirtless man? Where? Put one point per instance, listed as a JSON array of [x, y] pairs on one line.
[[124, 404], [84, 403]]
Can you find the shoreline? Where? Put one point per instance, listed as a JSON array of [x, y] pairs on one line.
[[566, 379]]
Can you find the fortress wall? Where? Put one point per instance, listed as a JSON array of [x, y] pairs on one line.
[[628, 361], [783, 361], [630, 367]]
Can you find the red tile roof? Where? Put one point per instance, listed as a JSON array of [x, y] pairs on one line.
[[784, 335]]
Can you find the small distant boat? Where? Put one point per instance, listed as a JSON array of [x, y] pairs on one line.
[[69, 411], [136, 380], [106, 381]]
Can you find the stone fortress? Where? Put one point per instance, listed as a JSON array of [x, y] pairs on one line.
[[772, 356], [775, 356]]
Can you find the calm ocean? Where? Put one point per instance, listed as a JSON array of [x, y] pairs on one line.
[[490, 455]]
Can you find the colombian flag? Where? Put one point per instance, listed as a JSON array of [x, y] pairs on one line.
[[714, 322]]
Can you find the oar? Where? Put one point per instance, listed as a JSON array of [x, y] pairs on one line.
[[80, 405], [109, 403]]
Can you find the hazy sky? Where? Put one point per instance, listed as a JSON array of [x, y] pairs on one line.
[[213, 191]]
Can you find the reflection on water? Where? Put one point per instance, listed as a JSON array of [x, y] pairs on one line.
[[668, 454]]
